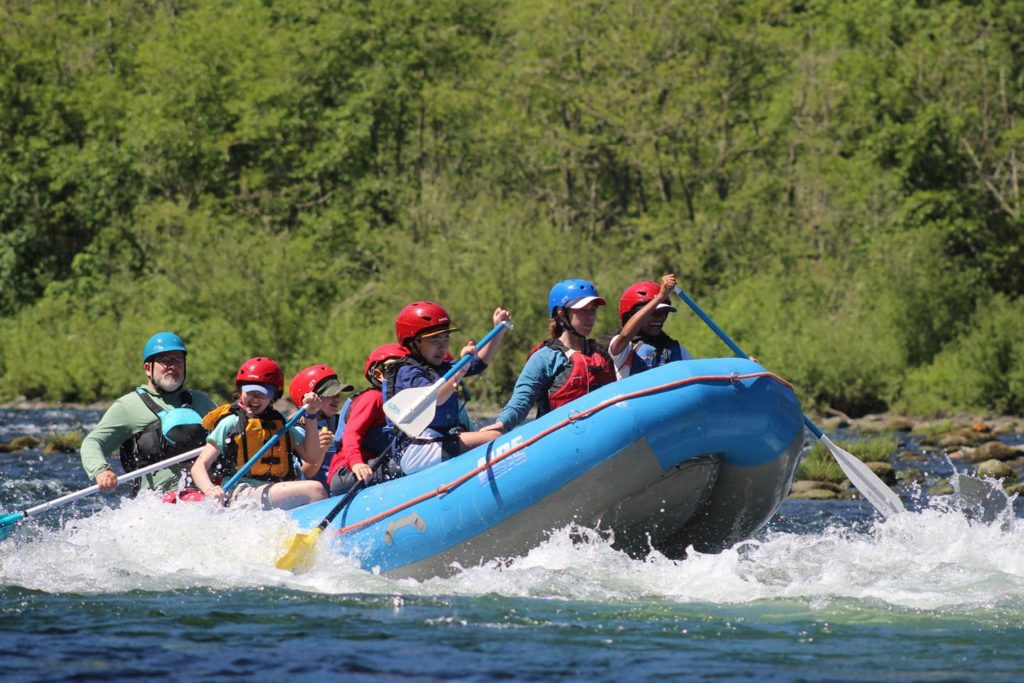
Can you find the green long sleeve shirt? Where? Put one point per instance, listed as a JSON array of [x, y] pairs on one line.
[[128, 416]]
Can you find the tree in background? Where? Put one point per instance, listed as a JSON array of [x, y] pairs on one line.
[[838, 182]]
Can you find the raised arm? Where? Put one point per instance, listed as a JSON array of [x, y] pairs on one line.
[[637, 320]]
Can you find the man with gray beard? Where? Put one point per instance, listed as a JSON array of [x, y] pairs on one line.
[[158, 420]]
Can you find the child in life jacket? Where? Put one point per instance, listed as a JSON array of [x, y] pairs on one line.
[[423, 328], [323, 381], [366, 438], [567, 365], [238, 430], [642, 344]]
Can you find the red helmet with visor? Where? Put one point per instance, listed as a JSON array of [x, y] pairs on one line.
[[421, 319], [638, 294], [319, 378], [261, 370], [381, 354]]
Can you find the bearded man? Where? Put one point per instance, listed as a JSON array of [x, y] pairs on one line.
[[158, 420]]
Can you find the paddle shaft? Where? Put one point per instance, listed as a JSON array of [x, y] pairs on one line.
[[728, 341], [244, 469], [866, 481], [461, 363], [128, 476], [415, 405], [336, 510], [350, 494]]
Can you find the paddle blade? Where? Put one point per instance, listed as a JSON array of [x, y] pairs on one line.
[[412, 410], [7, 523], [300, 552], [867, 482]]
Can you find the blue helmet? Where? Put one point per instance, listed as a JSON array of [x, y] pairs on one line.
[[569, 292], [161, 342]]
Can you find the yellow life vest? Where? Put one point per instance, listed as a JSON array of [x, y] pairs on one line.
[[274, 465]]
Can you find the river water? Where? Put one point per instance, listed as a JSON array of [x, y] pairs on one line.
[[109, 589]]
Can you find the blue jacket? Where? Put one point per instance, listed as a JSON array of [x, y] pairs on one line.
[[540, 371], [411, 375]]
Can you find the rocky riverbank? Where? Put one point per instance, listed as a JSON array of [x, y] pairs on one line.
[[916, 452], [903, 451]]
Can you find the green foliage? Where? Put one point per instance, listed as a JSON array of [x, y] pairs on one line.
[[819, 465], [981, 369], [63, 442], [837, 183], [877, 448]]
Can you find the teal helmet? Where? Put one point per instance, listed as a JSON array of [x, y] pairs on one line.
[[162, 342]]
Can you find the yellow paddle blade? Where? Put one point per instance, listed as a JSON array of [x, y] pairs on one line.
[[300, 552]]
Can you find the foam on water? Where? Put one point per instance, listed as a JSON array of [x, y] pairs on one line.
[[931, 560]]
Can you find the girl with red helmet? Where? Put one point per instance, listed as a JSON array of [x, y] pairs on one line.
[[423, 328], [642, 344], [323, 381], [365, 440], [568, 364], [238, 430]]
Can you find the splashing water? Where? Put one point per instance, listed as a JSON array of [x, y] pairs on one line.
[[935, 559]]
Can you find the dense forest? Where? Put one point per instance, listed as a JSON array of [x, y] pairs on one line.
[[836, 182]]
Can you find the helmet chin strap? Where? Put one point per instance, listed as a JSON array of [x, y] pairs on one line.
[[564, 319]]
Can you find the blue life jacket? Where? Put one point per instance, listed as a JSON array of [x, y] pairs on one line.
[[338, 428], [644, 355]]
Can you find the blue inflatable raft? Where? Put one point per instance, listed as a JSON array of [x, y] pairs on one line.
[[697, 453]]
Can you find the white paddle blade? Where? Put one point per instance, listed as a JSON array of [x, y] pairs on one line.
[[412, 410], [867, 482]]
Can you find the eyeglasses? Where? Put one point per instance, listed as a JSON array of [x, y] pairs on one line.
[[168, 361]]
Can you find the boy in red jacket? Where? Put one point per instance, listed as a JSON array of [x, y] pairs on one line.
[[364, 439]]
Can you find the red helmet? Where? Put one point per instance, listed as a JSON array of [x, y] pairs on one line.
[[421, 318], [381, 354], [638, 294], [307, 380], [261, 370]]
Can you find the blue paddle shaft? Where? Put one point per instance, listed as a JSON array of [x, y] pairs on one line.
[[461, 363], [244, 469], [729, 342]]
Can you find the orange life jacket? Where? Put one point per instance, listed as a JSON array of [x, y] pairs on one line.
[[275, 465]]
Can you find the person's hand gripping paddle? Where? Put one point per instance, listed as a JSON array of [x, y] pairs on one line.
[[412, 410], [8, 521]]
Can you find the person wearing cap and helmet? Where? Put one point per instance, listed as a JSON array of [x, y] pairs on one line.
[[238, 431], [161, 418], [323, 381], [642, 343], [567, 365], [365, 438], [423, 327]]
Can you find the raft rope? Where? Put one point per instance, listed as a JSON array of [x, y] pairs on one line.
[[573, 417]]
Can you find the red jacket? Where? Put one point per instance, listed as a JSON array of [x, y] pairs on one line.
[[365, 413]]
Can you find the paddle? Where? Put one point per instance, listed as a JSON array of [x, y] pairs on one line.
[[413, 409], [300, 551], [244, 469], [864, 480], [8, 521]]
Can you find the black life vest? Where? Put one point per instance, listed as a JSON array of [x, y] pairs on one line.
[[174, 431], [377, 441]]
